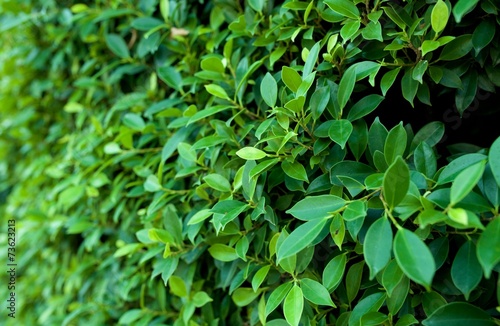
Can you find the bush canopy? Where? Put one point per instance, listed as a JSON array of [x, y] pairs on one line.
[[220, 162]]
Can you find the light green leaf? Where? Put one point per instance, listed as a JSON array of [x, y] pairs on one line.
[[269, 90], [165, 9], [396, 182], [414, 257], [251, 153], [134, 121], [200, 216], [291, 78], [429, 46], [152, 184], [177, 286], [377, 246], [217, 182], [315, 292], [244, 296], [439, 16], [223, 252], [466, 181], [301, 237], [316, 207], [170, 76], [217, 91], [259, 277], [293, 306], [201, 298], [312, 57], [488, 247]]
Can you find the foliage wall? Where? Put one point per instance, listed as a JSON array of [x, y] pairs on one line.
[[218, 162]]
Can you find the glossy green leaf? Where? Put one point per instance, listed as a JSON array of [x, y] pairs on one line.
[[294, 170], [223, 252], [414, 257], [439, 16], [466, 181], [370, 303], [396, 301], [315, 292], [488, 247], [293, 306], [177, 286], [251, 153], [377, 246], [312, 57], [244, 296], [217, 91], [277, 296], [494, 160], [462, 7], [353, 280], [396, 182], [346, 87], [483, 35], [459, 314], [337, 230], [466, 271], [429, 46], [316, 207], [457, 48], [455, 167], [217, 182], [301, 237], [340, 131], [395, 143], [170, 76], [259, 277], [344, 7], [392, 276], [269, 90], [364, 107], [319, 101], [388, 80], [333, 272], [291, 78], [409, 86]]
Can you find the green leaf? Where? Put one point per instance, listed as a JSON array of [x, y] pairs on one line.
[[395, 143], [373, 31], [429, 46], [388, 79], [277, 297], [117, 45], [344, 7], [301, 237], [494, 160], [396, 182], [466, 271], [409, 86], [177, 286], [269, 90], [312, 57], [462, 7], [217, 91], [337, 230], [483, 35], [364, 106], [333, 272], [200, 216], [291, 78], [293, 306], [439, 16], [353, 280], [414, 257], [370, 303], [296, 105], [488, 247], [263, 166], [244, 296], [425, 160], [465, 96], [217, 182], [259, 277], [391, 277], [152, 184], [222, 252], [315, 292], [257, 5], [431, 133], [453, 169], [201, 298], [212, 64], [346, 86], [466, 181], [251, 153], [457, 48], [170, 76], [165, 9], [340, 131], [294, 170], [431, 301], [419, 70], [377, 246], [399, 295], [319, 101], [459, 314], [131, 316], [316, 207]]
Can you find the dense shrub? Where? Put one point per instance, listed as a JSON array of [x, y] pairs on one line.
[[223, 163]]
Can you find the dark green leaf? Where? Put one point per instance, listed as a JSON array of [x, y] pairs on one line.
[[340, 131], [117, 45], [465, 270], [396, 182], [364, 107], [316, 207], [377, 246], [458, 314], [488, 247]]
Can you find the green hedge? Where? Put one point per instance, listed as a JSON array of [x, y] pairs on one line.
[[219, 162]]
